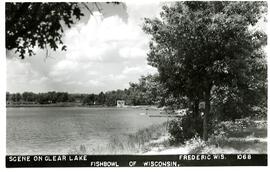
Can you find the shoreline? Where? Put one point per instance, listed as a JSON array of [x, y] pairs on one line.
[[47, 105], [80, 105]]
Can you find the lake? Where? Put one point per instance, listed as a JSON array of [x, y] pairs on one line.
[[58, 130]]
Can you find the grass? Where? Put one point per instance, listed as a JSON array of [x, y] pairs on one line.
[[256, 132], [135, 143]]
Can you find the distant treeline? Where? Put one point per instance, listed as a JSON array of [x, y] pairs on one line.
[[136, 94]]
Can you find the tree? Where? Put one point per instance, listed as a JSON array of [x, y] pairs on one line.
[[147, 91], [89, 99], [28, 96], [13, 97], [110, 98], [62, 97], [42, 98], [250, 99], [18, 97], [198, 46], [52, 96], [8, 96], [101, 98]]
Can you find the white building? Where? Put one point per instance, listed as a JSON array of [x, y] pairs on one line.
[[120, 103]]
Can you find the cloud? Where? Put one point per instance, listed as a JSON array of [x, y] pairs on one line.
[[141, 70], [94, 83], [132, 52], [21, 76], [103, 53], [101, 40], [65, 65], [39, 80]]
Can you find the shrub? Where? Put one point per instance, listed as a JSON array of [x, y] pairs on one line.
[[195, 145], [184, 128]]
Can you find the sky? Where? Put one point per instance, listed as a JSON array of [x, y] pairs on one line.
[[105, 52]]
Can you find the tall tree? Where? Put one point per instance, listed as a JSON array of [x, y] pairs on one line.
[[197, 46]]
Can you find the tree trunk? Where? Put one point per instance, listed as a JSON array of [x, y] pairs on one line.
[[206, 115], [196, 108]]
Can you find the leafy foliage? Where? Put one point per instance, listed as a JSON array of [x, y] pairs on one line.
[[202, 47], [200, 44], [38, 24], [185, 128], [147, 91]]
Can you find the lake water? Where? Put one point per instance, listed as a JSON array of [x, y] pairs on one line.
[[58, 130]]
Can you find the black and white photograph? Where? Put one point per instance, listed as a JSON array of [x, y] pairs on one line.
[[143, 84]]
